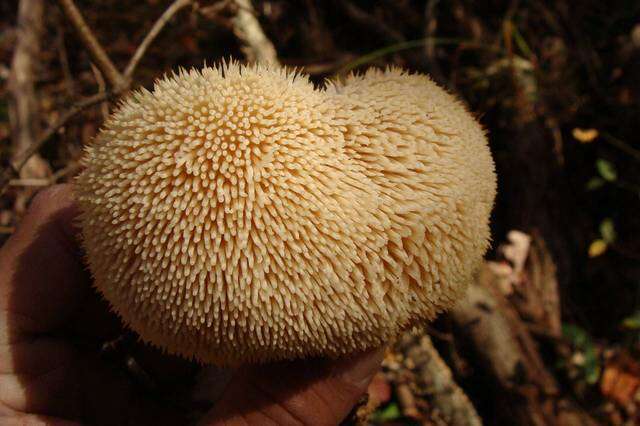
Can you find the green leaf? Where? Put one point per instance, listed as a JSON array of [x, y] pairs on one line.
[[591, 367], [575, 335], [581, 342], [387, 413], [632, 322], [607, 170], [595, 183], [522, 43], [608, 231]]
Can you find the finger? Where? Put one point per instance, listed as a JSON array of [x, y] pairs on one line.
[[81, 387], [22, 419], [43, 283], [42, 276], [43, 288], [317, 392]]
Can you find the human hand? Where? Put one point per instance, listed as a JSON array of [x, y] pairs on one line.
[[52, 324]]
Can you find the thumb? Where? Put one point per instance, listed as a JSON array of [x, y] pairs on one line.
[[310, 392]]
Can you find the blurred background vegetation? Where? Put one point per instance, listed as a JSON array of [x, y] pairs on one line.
[[556, 84]]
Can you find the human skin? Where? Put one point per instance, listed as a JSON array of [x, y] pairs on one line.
[[47, 306]]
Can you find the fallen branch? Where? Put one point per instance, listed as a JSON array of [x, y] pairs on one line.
[[433, 377], [504, 348]]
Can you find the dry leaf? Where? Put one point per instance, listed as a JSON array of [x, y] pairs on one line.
[[585, 135], [620, 380], [517, 250], [597, 248]]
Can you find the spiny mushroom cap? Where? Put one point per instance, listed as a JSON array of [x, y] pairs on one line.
[[236, 214]]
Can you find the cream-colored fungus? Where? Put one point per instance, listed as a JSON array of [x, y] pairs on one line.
[[237, 214]]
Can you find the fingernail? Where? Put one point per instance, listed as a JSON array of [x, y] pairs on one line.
[[360, 369]]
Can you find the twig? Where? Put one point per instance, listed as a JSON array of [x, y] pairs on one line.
[[247, 28], [102, 87], [63, 57], [153, 33], [29, 182], [69, 170], [377, 26], [72, 168], [6, 229], [621, 145], [431, 27], [92, 44]]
